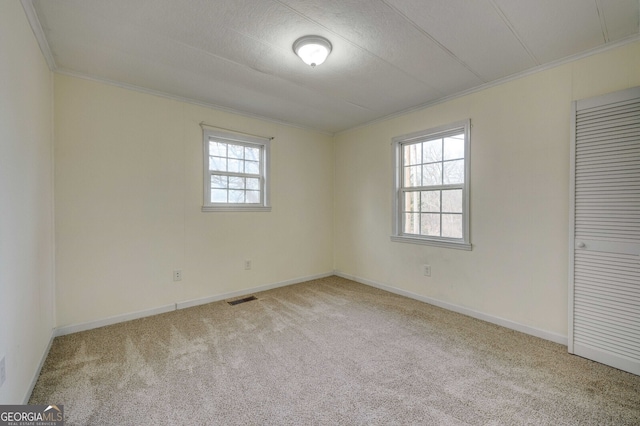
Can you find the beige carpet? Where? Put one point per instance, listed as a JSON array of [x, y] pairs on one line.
[[328, 351]]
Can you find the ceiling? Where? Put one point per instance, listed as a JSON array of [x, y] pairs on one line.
[[388, 56]]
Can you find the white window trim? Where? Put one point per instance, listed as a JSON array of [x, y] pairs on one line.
[[397, 143], [265, 144]]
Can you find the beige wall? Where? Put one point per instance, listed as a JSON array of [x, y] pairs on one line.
[[128, 199], [26, 203], [517, 269]]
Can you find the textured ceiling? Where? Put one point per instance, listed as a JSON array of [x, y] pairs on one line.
[[388, 55]]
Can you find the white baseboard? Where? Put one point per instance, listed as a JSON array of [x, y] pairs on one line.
[[75, 328], [38, 370], [543, 334], [217, 298]]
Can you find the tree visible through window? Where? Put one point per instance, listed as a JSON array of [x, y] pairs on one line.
[[432, 185], [235, 172]]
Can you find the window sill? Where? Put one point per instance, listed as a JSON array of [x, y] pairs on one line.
[[458, 245], [206, 209]]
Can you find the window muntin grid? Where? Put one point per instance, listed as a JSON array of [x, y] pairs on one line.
[[431, 187], [236, 172]]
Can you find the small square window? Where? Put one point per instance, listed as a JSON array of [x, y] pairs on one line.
[[236, 172]]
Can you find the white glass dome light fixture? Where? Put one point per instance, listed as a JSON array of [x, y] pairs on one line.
[[312, 49]]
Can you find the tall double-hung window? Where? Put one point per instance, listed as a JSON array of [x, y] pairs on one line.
[[236, 172], [431, 187]]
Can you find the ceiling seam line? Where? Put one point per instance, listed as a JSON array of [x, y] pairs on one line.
[[303, 16], [207, 53], [436, 42], [275, 47], [603, 21], [330, 96], [513, 31]]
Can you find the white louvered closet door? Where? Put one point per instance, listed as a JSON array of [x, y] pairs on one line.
[[604, 287]]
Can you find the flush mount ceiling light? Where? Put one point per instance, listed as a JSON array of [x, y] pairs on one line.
[[313, 50]]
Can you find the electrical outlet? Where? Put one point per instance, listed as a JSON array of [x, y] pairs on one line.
[[247, 265], [426, 270], [177, 275], [3, 372]]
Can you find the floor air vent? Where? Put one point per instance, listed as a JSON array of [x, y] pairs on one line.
[[243, 300]]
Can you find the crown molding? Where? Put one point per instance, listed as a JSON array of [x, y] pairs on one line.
[[36, 27]]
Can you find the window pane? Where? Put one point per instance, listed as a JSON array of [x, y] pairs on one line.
[[454, 147], [412, 223], [430, 225], [218, 195], [412, 154], [253, 196], [253, 184], [236, 151], [219, 181], [432, 151], [452, 201], [412, 176], [412, 201], [218, 164], [235, 172], [430, 201], [252, 167], [435, 168], [218, 149], [452, 225], [432, 174], [236, 182], [251, 154], [236, 166], [236, 196], [454, 172]]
